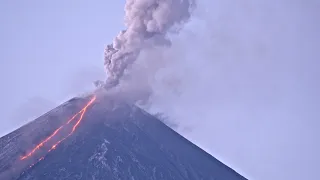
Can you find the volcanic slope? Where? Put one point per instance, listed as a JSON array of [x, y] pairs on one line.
[[112, 140]]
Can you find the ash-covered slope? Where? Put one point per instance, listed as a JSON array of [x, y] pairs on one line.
[[113, 141]]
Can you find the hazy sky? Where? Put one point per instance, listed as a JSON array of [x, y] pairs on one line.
[[50, 50], [247, 71]]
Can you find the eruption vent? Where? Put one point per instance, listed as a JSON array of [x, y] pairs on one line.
[[148, 23]]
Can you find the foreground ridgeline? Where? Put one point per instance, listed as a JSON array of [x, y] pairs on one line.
[[90, 138]]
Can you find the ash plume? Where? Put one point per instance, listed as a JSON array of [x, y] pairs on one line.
[[148, 23]]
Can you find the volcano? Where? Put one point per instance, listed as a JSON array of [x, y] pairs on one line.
[[104, 138]]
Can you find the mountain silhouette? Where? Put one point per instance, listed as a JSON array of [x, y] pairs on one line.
[[108, 140]]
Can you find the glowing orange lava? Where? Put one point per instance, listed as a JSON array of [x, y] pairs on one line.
[[41, 144], [81, 112]]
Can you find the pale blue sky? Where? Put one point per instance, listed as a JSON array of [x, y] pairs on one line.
[[249, 72], [48, 46]]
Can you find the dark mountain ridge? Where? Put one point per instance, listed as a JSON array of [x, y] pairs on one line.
[[114, 140]]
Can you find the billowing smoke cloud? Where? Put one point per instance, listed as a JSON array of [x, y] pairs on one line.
[[148, 24]]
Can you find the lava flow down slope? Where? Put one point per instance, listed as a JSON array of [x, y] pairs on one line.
[[104, 138]]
